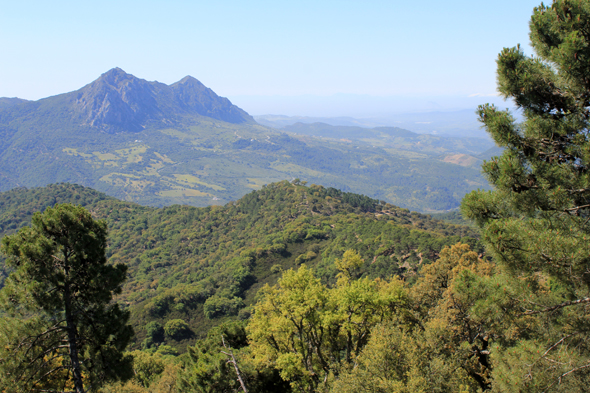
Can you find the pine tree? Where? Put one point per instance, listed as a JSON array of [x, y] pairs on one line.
[[536, 221], [62, 332]]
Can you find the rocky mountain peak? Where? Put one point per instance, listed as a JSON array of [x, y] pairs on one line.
[[114, 76], [118, 101], [189, 80], [194, 97]]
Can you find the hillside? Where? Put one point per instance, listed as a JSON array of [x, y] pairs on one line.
[[205, 265], [398, 139], [455, 123], [157, 145]]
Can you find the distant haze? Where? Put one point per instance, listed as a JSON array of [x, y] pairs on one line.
[[358, 105], [451, 116], [309, 58], [461, 124]]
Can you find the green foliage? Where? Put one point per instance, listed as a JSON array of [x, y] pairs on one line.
[[207, 368], [535, 222], [176, 329], [167, 350], [152, 373], [311, 333], [147, 367], [351, 261], [154, 332], [63, 328], [217, 306], [203, 161], [438, 346], [397, 360], [181, 259], [454, 217]]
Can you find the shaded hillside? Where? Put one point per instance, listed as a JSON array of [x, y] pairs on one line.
[[204, 265]]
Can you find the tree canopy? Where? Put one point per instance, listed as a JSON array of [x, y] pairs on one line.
[[536, 221], [310, 332], [62, 330]]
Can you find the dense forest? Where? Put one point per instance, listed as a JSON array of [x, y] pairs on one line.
[[297, 288], [203, 264], [192, 269]]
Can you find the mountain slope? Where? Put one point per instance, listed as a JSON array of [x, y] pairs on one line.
[[395, 137], [204, 265], [158, 145], [121, 102]]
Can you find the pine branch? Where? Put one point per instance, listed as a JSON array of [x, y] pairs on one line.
[[38, 337], [235, 363], [558, 379], [575, 209], [48, 373], [558, 306]]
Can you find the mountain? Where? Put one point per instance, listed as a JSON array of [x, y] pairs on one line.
[[398, 138], [281, 121], [348, 132], [205, 265], [459, 124], [6, 102], [158, 145], [120, 102]]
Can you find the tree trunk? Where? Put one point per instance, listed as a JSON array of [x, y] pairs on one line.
[[72, 341]]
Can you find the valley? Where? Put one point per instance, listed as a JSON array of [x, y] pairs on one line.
[[182, 144], [157, 238]]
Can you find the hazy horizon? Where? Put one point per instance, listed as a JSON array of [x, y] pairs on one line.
[[359, 106], [270, 57]]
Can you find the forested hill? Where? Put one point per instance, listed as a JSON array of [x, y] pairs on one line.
[[204, 265]]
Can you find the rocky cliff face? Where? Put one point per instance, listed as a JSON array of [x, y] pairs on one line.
[[118, 101], [194, 97]]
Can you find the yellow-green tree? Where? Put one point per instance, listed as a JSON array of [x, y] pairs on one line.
[[310, 332], [152, 373], [440, 349]]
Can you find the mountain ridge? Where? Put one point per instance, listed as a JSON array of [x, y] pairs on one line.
[[120, 102], [205, 265], [147, 142]]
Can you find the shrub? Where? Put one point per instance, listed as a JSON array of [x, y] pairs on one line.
[[155, 331], [217, 306], [177, 329]]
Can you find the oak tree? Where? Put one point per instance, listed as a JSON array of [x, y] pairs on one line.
[[310, 332]]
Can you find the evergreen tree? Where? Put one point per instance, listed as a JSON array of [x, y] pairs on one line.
[[62, 331], [536, 222], [209, 368]]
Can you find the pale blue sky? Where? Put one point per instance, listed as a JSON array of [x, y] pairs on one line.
[[297, 57]]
